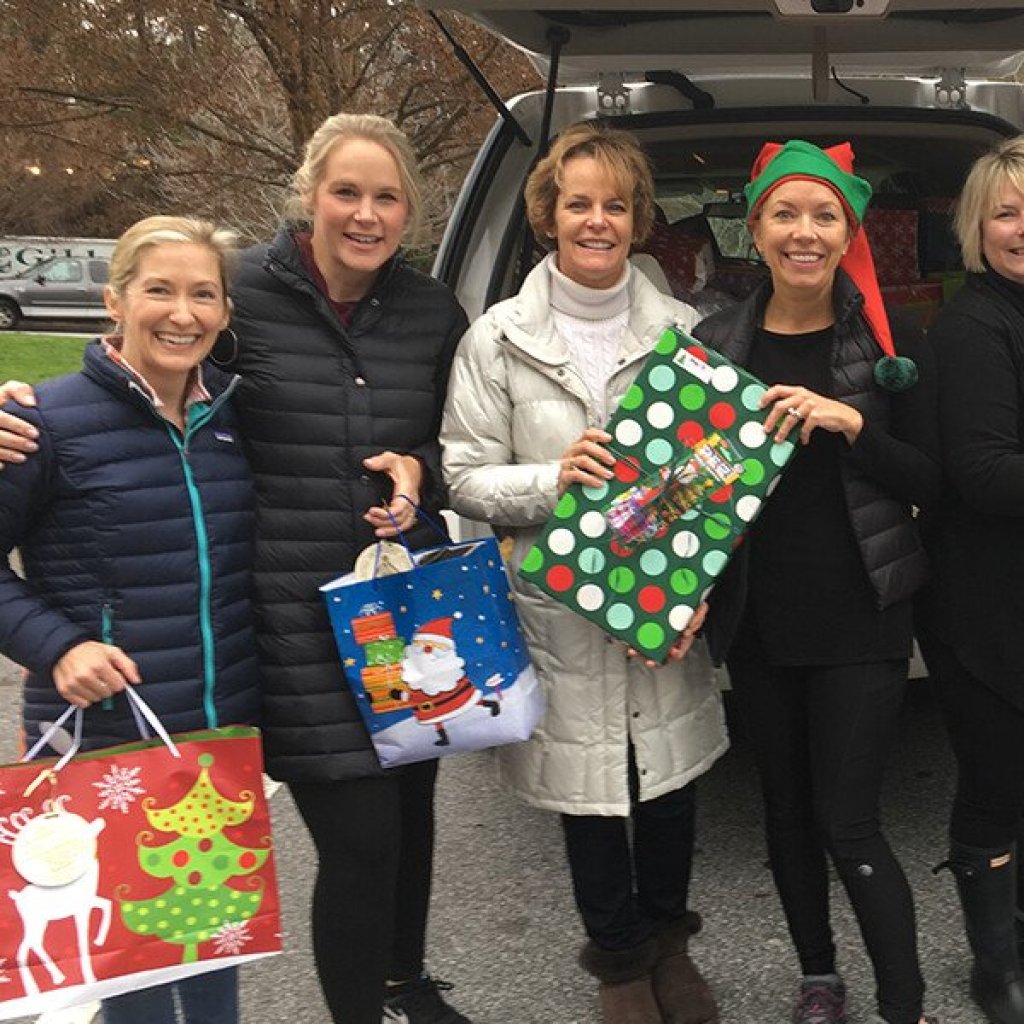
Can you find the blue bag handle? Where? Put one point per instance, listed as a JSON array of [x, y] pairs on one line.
[[420, 514]]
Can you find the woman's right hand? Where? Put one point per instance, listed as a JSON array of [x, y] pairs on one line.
[[17, 438], [586, 461], [92, 671]]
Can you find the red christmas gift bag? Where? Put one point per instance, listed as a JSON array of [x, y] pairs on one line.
[[133, 866]]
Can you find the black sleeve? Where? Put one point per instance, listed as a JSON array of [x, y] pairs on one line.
[[980, 412], [906, 458]]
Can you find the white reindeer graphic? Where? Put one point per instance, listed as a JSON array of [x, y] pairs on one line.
[[39, 905]]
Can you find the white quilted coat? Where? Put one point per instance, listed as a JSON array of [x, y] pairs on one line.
[[515, 403]]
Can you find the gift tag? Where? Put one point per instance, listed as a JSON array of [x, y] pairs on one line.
[[394, 558], [54, 849]]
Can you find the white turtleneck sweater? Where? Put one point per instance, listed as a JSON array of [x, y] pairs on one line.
[[592, 322]]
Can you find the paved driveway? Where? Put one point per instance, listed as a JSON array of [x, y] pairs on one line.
[[505, 932]]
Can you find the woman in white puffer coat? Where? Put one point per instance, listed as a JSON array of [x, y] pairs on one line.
[[534, 380]]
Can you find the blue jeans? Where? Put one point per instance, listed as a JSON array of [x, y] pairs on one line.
[[210, 998]]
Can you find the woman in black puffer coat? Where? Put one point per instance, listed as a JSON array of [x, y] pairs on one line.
[[344, 352], [972, 621]]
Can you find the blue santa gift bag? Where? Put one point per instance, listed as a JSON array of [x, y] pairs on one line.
[[435, 656]]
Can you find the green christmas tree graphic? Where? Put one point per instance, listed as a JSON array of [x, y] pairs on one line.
[[200, 862]]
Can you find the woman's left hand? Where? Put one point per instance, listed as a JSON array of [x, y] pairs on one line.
[[683, 642], [794, 408], [406, 472]]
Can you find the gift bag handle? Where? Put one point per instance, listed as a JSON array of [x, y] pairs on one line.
[[418, 509], [144, 717]]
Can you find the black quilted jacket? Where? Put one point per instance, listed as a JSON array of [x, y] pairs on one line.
[[880, 515], [316, 399]]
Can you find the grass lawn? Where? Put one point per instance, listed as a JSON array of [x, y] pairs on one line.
[[36, 357]]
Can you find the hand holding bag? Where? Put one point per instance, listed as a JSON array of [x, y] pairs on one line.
[[132, 866]]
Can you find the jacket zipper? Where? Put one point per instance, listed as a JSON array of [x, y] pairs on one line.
[[181, 442], [107, 637]]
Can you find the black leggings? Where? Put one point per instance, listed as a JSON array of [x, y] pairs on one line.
[[987, 736], [375, 842], [618, 914], [821, 736]]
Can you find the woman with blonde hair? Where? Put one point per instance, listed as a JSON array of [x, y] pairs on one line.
[[814, 614], [972, 621], [136, 463], [534, 381]]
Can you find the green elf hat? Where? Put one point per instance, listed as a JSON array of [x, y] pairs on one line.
[[833, 167]]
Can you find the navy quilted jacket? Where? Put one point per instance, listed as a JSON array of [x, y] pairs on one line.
[[133, 534]]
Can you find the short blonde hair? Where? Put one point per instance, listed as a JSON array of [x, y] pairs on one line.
[[371, 128], [160, 230], [1001, 165], [617, 151]]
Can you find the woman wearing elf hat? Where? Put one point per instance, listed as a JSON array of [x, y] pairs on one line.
[[974, 610], [813, 616]]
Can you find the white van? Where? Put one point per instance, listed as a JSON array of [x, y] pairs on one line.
[[920, 87]]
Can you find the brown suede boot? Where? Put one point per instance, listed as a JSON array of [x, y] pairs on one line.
[[683, 995], [626, 994]]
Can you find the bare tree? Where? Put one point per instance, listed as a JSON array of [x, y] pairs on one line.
[[204, 105]]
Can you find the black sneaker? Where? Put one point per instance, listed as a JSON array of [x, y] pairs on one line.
[[822, 1000], [420, 1002]]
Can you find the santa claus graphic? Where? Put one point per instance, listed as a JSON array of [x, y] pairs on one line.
[[437, 687]]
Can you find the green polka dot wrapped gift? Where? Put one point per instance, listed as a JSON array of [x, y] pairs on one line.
[[638, 554]]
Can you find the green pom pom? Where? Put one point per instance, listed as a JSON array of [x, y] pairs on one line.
[[896, 373]]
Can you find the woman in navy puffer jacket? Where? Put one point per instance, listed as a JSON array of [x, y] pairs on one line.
[[134, 522]]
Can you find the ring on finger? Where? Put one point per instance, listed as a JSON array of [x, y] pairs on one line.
[[794, 412]]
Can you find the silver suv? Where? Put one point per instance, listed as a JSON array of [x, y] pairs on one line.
[[61, 288]]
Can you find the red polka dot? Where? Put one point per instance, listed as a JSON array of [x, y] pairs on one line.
[[626, 472], [180, 859], [560, 577], [722, 415], [690, 432], [698, 353], [618, 549], [247, 860], [651, 599], [195, 877], [205, 845], [722, 495]]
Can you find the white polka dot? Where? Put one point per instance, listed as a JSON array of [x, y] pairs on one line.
[[685, 544], [725, 378], [590, 597], [747, 506], [561, 541], [592, 524], [752, 435], [679, 617], [629, 433], [660, 415]]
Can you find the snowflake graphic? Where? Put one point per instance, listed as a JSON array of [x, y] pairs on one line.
[[119, 788], [232, 938]]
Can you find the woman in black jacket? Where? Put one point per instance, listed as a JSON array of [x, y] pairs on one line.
[[972, 626], [344, 351], [814, 614]]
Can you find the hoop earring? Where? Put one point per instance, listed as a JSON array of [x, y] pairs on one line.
[[220, 360]]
